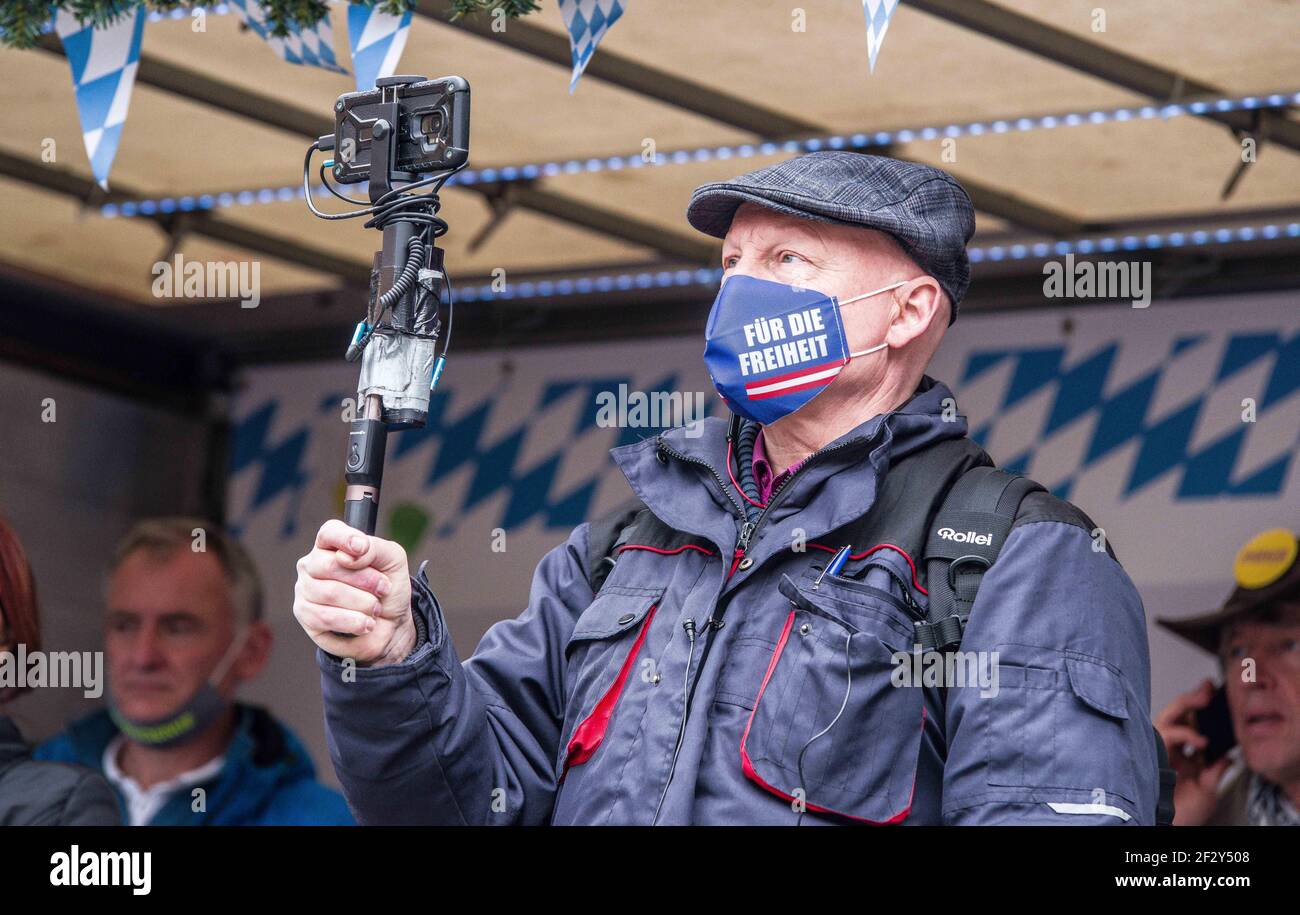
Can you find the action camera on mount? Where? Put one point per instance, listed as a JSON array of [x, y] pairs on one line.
[[432, 128]]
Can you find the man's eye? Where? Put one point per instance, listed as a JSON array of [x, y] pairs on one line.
[[789, 257], [729, 262]]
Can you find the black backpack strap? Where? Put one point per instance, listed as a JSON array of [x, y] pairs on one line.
[[964, 541], [1168, 779], [965, 538], [909, 496]]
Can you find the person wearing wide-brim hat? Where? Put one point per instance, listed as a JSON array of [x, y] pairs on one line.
[[1256, 636]]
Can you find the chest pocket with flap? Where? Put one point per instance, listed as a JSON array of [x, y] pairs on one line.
[[601, 655], [829, 728]]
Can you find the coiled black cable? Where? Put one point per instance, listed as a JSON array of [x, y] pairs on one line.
[[406, 279], [745, 471], [399, 204]]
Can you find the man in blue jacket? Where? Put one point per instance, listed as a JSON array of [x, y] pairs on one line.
[[741, 647], [183, 629]]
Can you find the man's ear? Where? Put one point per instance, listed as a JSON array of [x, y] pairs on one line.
[[919, 304], [255, 652]]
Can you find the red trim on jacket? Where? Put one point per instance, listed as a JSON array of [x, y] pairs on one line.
[[590, 732], [654, 549]]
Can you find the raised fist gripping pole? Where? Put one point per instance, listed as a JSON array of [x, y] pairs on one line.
[[407, 134]]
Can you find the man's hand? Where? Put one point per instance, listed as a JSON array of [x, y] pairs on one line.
[[353, 596], [1195, 793]]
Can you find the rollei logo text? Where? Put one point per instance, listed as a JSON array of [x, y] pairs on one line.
[[948, 533]]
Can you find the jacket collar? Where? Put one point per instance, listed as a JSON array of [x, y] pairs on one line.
[[835, 486]]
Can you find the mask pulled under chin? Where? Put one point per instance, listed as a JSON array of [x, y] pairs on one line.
[[190, 720], [770, 348]]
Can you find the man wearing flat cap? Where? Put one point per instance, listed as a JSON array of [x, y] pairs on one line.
[[1255, 715], [829, 609]]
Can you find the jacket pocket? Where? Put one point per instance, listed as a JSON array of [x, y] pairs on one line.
[[1060, 724], [865, 606], [828, 728], [602, 653], [885, 570]]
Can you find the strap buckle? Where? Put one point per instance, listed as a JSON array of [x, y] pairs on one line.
[[941, 635], [962, 560]]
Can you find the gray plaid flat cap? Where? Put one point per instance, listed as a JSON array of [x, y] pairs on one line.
[[924, 208]]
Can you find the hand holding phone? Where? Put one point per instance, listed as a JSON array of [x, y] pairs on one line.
[[1179, 724], [1214, 721]]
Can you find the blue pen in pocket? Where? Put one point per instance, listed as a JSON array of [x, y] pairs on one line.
[[833, 567]]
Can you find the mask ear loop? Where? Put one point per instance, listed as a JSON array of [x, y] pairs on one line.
[[868, 350], [867, 295], [228, 659]]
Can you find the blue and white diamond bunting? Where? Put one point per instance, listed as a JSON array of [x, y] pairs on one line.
[[103, 61], [377, 39], [878, 13], [313, 46], [587, 21]]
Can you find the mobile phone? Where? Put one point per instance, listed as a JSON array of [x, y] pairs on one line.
[[1215, 723], [432, 127]]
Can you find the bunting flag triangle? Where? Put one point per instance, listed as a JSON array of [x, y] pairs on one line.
[[377, 39], [313, 47], [103, 61], [587, 21], [878, 13]]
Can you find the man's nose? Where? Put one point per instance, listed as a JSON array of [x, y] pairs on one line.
[[145, 651]]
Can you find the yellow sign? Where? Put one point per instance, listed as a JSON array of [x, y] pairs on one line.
[[1265, 558]]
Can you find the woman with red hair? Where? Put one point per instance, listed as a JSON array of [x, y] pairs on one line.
[[37, 793]]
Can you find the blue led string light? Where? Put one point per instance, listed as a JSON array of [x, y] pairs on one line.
[[512, 173], [184, 12], [704, 276], [179, 12]]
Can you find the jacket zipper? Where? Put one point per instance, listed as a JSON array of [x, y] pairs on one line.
[[898, 603], [689, 626], [747, 527], [906, 587], [743, 545], [722, 484]]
